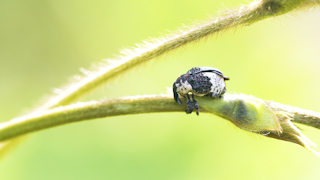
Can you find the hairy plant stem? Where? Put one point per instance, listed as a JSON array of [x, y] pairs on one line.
[[300, 115], [86, 111], [244, 15], [142, 104]]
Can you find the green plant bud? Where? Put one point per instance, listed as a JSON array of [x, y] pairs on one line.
[[255, 115], [246, 112]]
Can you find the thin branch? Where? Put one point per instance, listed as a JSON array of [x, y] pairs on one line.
[[303, 116], [246, 112], [244, 15], [86, 111]]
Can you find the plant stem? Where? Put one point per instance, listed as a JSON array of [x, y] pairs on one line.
[[302, 116], [244, 15], [85, 111], [124, 106]]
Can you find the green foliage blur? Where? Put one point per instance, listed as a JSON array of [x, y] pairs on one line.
[[43, 43]]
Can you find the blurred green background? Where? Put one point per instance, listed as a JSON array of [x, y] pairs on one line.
[[43, 43]]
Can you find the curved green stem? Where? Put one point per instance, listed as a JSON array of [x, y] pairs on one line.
[[85, 111], [244, 15], [246, 112], [302, 116]]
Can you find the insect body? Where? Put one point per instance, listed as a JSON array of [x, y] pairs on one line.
[[200, 81]]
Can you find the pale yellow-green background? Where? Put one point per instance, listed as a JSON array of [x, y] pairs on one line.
[[43, 43]]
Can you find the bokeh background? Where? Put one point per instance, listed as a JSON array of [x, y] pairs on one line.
[[43, 43]]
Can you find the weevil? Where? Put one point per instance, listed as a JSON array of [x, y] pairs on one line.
[[199, 81]]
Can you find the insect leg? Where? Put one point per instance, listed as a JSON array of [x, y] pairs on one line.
[[223, 91], [176, 97], [189, 104], [215, 95], [196, 105], [175, 94]]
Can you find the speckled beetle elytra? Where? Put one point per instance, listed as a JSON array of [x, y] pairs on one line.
[[200, 81]]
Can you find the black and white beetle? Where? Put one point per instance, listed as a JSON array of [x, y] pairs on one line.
[[200, 81]]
